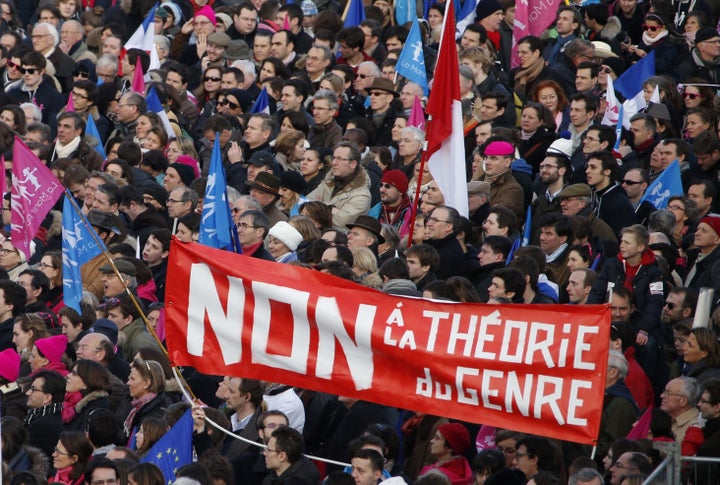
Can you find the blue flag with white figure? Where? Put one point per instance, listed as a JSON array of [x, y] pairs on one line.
[[78, 247], [411, 62], [174, 449], [664, 187], [262, 103], [405, 11], [216, 222]]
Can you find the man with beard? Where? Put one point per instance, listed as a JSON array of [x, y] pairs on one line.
[[394, 206]]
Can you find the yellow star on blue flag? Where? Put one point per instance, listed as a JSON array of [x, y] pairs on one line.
[[174, 449]]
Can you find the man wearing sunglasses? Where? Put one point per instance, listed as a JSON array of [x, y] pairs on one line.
[[35, 88]]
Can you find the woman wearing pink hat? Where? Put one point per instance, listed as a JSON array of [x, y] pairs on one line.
[[450, 442], [47, 353], [13, 400]]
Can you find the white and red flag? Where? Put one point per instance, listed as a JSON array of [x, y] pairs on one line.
[[34, 192], [445, 143]]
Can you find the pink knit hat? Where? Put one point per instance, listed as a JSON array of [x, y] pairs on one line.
[[207, 12], [52, 348], [190, 162], [9, 365]]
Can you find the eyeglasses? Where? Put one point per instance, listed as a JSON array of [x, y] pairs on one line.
[[651, 28], [705, 401], [509, 450], [57, 450], [691, 95], [107, 481], [676, 208], [547, 166], [716, 41], [212, 78], [270, 450], [38, 36], [79, 73], [85, 347], [78, 95], [34, 389], [670, 305], [8, 251], [232, 105], [28, 70], [606, 70], [12, 65], [341, 159], [435, 219], [520, 455], [321, 108], [364, 76], [631, 182], [377, 93], [46, 266], [670, 393], [173, 201], [245, 225]]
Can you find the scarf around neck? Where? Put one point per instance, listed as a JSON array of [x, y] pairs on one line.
[[137, 405]]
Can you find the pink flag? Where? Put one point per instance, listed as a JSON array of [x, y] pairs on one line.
[[444, 134], [642, 426], [138, 80], [417, 118], [286, 23], [70, 106], [531, 18], [34, 192]]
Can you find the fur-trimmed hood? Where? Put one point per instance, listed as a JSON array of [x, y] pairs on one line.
[[30, 459], [611, 29], [88, 398]]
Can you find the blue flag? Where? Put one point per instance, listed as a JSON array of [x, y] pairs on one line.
[[411, 62], [92, 131], [527, 233], [631, 81], [174, 449], [355, 14], [664, 187], [216, 222], [405, 11], [262, 104], [619, 127], [153, 104], [78, 247]]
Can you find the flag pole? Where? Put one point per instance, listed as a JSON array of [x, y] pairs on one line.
[[416, 202], [110, 261]]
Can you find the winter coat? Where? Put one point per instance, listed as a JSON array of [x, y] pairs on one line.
[[648, 290], [613, 206], [302, 472], [90, 402], [350, 201]]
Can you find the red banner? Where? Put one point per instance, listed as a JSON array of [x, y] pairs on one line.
[[533, 368]]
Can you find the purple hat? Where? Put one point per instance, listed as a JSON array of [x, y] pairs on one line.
[[500, 148], [52, 348], [207, 12], [9, 365]]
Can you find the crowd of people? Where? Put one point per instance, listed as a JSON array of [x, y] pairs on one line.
[[331, 178]]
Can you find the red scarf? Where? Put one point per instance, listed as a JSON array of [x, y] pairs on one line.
[[495, 39]]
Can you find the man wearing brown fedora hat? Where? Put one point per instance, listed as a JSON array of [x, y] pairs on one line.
[[265, 188], [365, 233], [382, 111]]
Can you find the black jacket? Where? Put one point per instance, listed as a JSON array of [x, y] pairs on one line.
[[648, 290], [452, 257], [707, 273], [613, 206], [302, 472]]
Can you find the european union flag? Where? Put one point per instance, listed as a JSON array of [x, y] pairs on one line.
[[411, 62], [631, 81], [174, 449], [262, 104], [92, 131], [78, 247], [354, 13], [664, 187], [216, 219]]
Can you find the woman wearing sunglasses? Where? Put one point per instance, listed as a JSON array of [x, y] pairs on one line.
[[656, 37], [696, 94]]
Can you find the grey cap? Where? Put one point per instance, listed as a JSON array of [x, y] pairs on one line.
[[237, 50]]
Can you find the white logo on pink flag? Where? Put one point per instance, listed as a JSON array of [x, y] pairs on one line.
[[34, 192]]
